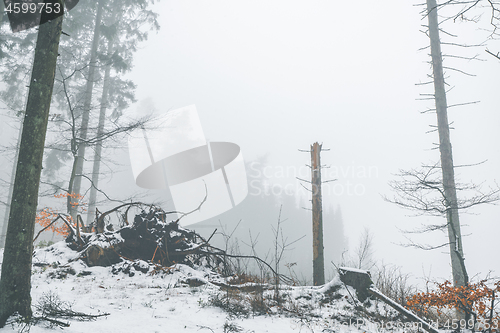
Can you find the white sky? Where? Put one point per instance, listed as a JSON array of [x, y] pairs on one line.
[[276, 76]]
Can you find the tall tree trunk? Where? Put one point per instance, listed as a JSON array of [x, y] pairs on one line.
[[317, 207], [3, 230], [459, 272], [100, 130], [87, 103], [15, 281]]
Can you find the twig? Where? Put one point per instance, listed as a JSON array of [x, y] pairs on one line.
[[208, 328], [495, 55], [50, 320], [283, 278]]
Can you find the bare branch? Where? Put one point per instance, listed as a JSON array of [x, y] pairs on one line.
[[495, 55], [422, 191], [458, 70], [303, 180]]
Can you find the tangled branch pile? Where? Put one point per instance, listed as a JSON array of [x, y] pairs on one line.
[[151, 237]]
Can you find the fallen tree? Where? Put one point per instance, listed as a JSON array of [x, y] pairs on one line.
[[152, 238]]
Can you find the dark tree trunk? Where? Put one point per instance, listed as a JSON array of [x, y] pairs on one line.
[[15, 282], [450, 192], [3, 229]]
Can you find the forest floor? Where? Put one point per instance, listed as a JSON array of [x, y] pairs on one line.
[[128, 297]]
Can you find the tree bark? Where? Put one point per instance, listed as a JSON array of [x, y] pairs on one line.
[[15, 282], [317, 207], [3, 230], [76, 182], [459, 272], [100, 130]]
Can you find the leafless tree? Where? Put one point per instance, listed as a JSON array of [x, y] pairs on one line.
[[422, 191], [433, 190], [365, 250], [392, 282], [116, 128], [363, 255], [474, 11]]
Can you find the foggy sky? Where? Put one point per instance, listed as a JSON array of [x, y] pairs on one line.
[[277, 76], [274, 77]]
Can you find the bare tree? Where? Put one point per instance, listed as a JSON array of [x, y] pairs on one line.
[[364, 252], [362, 256], [423, 191], [75, 184], [472, 11], [98, 149], [433, 189], [119, 27], [449, 189], [102, 134], [392, 282]]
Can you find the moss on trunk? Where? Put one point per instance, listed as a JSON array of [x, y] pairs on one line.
[[15, 283]]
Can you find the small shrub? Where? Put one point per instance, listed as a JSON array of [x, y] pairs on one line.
[[231, 327], [231, 302], [258, 304], [475, 300]]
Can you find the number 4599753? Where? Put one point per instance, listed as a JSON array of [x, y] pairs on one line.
[[33, 7]]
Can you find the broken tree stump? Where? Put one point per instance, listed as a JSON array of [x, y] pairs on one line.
[[359, 279], [362, 282]]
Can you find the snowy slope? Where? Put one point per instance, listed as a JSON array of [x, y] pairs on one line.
[[165, 302]]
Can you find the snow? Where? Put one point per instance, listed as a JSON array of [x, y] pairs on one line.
[[165, 302], [407, 312], [355, 270]]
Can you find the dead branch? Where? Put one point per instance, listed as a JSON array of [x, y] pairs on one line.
[[458, 70], [196, 209], [246, 287], [36, 319], [495, 55], [422, 191], [100, 220], [59, 216]]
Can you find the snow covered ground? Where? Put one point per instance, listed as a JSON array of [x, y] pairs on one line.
[[180, 300]]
